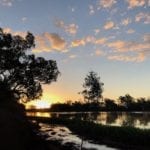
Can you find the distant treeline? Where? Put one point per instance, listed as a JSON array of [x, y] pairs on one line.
[[123, 103]]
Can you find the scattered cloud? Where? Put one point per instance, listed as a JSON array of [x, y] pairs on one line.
[[144, 17], [50, 42], [109, 25], [146, 38], [69, 28], [24, 19], [91, 9], [140, 57], [100, 41], [126, 46], [137, 3], [7, 3], [88, 40], [122, 50], [99, 52], [79, 42], [126, 21], [9, 30], [106, 3], [130, 31], [96, 31], [72, 56]]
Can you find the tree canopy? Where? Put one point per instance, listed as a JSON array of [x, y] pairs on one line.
[[21, 73], [93, 88]]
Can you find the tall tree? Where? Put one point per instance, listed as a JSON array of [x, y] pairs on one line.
[[21, 73], [93, 88], [126, 101]]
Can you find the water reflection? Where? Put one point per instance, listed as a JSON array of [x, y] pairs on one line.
[[65, 136], [135, 119]]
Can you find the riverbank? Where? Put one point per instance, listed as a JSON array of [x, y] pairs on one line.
[[17, 133], [119, 137]]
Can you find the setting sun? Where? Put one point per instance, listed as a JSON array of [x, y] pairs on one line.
[[38, 104]]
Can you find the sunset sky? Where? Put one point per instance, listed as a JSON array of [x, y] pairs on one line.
[[110, 37]]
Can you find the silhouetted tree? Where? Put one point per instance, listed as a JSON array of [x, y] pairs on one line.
[[93, 88], [21, 73], [127, 101], [110, 104]]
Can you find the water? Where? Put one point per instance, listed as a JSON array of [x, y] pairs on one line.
[[65, 136], [135, 119]]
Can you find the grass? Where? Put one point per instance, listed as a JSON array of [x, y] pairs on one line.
[[125, 137]]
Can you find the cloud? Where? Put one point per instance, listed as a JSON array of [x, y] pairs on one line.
[[122, 50], [130, 31], [9, 30], [88, 40], [126, 21], [109, 25], [78, 42], [72, 56], [7, 3], [96, 31], [44, 42], [100, 41], [140, 57], [91, 9], [69, 28], [144, 17], [126, 46], [136, 3], [50, 42], [107, 3], [99, 52], [146, 38], [24, 19]]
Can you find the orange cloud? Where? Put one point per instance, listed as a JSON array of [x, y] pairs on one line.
[[136, 3], [107, 3], [70, 28], [50, 42], [126, 21], [109, 25], [99, 52], [130, 31], [79, 42], [145, 17], [9, 30], [140, 57], [123, 46], [100, 41]]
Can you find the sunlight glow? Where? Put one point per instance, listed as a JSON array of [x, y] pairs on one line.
[[38, 104]]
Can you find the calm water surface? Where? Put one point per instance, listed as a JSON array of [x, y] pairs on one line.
[[65, 136], [135, 119]]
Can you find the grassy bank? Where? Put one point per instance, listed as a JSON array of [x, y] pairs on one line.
[[124, 137]]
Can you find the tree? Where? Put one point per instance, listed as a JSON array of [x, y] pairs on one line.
[[21, 73], [126, 101], [93, 88], [110, 104]]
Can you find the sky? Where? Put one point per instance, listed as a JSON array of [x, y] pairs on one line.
[[110, 37]]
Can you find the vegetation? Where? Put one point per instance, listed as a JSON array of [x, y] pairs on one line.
[[126, 137], [140, 104], [93, 88], [21, 73], [21, 77]]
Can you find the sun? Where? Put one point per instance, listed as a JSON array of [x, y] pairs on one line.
[[38, 104], [41, 104]]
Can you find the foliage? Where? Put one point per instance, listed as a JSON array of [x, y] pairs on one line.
[[126, 137], [21, 73], [93, 88]]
